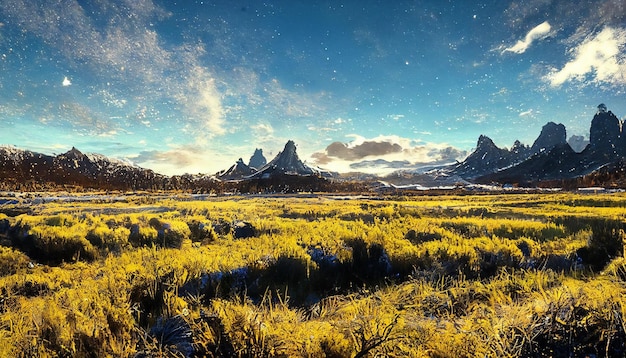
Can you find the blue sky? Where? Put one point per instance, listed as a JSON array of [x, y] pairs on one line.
[[191, 86]]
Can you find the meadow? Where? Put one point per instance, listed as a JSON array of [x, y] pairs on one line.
[[491, 275]]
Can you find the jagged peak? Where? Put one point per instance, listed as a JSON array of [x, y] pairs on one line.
[[484, 141], [257, 160], [517, 145], [290, 147], [74, 153], [287, 161], [96, 157]]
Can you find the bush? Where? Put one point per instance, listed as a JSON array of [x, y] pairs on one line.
[[54, 244], [108, 239], [142, 235], [11, 261], [606, 243], [201, 232]]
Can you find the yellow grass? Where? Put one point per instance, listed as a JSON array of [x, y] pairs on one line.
[[432, 276]]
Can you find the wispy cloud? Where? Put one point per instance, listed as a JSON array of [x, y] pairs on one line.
[[203, 102], [116, 41], [538, 32], [179, 159], [292, 103], [599, 58], [529, 113], [125, 73]]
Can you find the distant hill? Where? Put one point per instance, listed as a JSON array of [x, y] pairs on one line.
[[23, 170], [26, 169]]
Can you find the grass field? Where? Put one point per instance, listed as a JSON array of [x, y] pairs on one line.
[[508, 275]]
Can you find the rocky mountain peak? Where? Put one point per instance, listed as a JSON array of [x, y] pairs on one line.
[[237, 171], [74, 154], [605, 132], [286, 162], [551, 135], [577, 142], [484, 142], [258, 159], [556, 160]]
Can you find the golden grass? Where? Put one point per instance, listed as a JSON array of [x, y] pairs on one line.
[[451, 276]]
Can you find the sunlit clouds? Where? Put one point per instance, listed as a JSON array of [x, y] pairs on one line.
[[599, 58], [203, 102], [384, 155]]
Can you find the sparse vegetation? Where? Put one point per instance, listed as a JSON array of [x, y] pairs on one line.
[[429, 276]]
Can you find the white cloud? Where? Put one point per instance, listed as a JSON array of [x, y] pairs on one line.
[[529, 113], [538, 32], [263, 133], [66, 82], [291, 103], [203, 102], [600, 58], [395, 117]]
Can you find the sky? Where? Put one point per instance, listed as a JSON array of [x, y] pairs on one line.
[[362, 85]]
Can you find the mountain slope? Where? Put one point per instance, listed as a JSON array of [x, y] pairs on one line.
[[237, 171], [488, 158], [76, 169], [606, 149], [286, 162]]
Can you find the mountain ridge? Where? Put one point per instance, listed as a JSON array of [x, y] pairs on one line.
[[550, 159]]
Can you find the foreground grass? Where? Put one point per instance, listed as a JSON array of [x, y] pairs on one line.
[[450, 276]]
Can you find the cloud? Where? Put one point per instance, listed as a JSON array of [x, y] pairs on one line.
[[263, 133], [362, 150], [538, 32], [384, 154], [380, 163], [599, 58], [179, 159], [529, 113], [203, 101], [292, 103], [117, 42]]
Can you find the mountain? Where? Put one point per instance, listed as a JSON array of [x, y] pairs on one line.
[[578, 143], [488, 158], [551, 135], [559, 162], [549, 161], [605, 135], [257, 160], [606, 149], [285, 163], [24, 168], [237, 171]]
